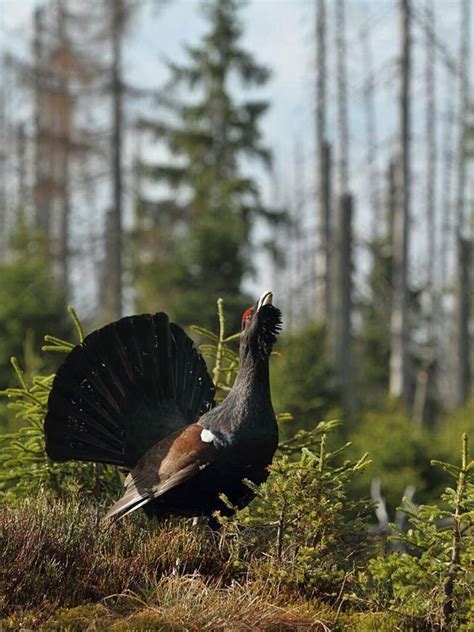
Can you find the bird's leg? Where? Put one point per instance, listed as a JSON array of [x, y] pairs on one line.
[[214, 524]]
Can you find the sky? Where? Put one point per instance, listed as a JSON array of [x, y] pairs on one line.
[[280, 33]]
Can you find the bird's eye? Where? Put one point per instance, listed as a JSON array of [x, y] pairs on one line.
[[246, 317]]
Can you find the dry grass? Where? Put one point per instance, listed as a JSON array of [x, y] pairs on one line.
[[57, 553], [61, 570], [193, 604]]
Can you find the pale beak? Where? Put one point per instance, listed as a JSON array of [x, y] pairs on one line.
[[265, 299]]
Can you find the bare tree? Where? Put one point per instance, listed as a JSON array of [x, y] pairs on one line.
[[431, 162], [62, 66], [399, 369], [340, 329], [21, 160], [55, 63], [371, 132], [323, 161], [342, 110], [113, 266], [3, 163], [463, 244], [43, 176], [343, 314]]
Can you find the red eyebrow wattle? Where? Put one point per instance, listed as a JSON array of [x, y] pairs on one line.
[[248, 312]]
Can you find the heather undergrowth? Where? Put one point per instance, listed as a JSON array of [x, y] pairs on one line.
[[59, 552], [64, 569]]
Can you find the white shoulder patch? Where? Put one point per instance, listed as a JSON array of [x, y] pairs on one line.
[[207, 436]]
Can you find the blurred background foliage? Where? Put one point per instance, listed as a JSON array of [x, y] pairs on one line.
[[30, 300]]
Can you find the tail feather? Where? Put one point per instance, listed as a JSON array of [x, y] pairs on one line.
[[127, 386], [189, 378], [126, 505]]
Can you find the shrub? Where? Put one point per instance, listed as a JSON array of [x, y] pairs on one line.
[[398, 449], [25, 469], [58, 552], [434, 580], [303, 523]]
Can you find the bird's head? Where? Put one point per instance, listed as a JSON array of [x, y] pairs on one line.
[[261, 324]]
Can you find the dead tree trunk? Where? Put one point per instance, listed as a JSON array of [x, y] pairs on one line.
[[64, 142], [113, 287], [43, 178], [21, 175], [341, 335], [427, 372], [431, 168], [371, 134], [399, 371], [391, 200], [3, 165], [342, 117], [447, 188], [462, 243], [464, 284], [343, 300], [323, 153]]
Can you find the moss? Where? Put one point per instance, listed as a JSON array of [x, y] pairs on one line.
[[371, 622], [92, 617]]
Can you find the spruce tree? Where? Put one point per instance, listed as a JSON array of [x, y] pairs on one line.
[[194, 244]]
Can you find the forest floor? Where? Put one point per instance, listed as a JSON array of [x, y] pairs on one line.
[[62, 569]]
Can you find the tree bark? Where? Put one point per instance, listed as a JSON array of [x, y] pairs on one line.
[[343, 302], [43, 174], [431, 172], [323, 158], [371, 136], [113, 267], [3, 166], [399, 370], [463, 247], [64, 142], [21, 170]]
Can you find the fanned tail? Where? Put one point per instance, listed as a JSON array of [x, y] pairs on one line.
[[123, 389]]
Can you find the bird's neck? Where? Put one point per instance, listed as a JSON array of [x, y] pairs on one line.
[[247, 409], [249, 401], [254, 374]]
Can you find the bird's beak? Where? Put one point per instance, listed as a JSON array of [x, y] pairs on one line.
[[265, 299]]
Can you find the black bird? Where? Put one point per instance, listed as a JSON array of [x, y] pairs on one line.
[[137, 394]]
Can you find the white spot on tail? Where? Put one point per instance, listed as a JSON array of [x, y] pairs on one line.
[[207, 436]]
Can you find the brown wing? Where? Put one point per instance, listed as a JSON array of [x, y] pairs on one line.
[[167, 464]]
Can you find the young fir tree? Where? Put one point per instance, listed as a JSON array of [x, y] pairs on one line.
[[194, 244], [432, 581]]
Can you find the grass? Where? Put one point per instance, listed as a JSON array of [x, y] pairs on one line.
[[62, 569], [61, 553]]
